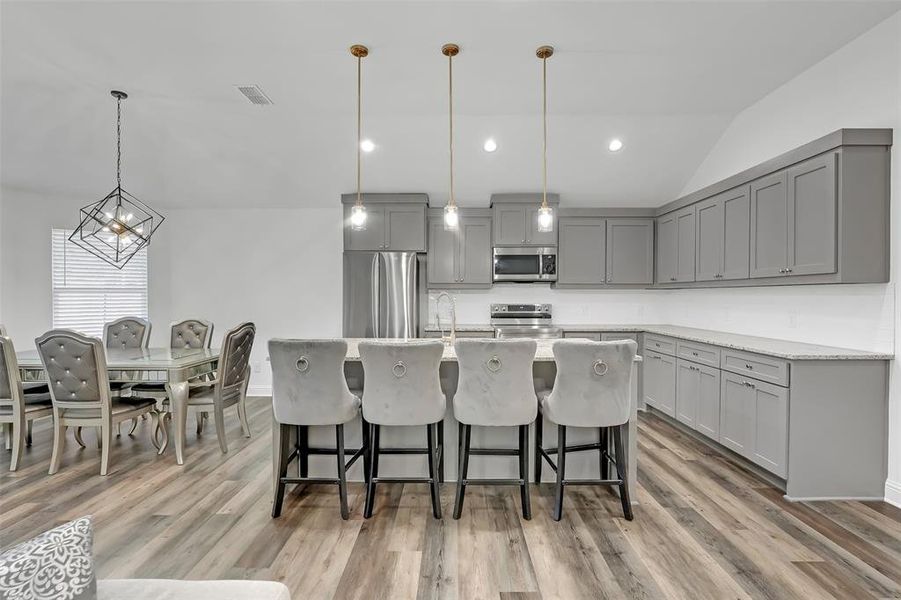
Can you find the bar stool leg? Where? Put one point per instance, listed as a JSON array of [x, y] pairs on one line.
[[433, 465], [604, 441], [622, 471], [441, 448], [303, 445], [374, 469], [282, 471], [463, 470], [364, 434], [539, 435], [561, 471], [524, 472], [342, 470]]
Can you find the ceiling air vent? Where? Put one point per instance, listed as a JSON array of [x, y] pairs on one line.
[[254, 94]]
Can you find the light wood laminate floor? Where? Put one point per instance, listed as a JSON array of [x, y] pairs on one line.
[[706, 528]]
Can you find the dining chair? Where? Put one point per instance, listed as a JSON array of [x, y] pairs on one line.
[[592, 389], [127, 332], [495, 389], [401, 387], [309, 389], [229, 388], [18, 407], [75, 365]]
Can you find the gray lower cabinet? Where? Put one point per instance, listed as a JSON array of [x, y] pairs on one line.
[[723, 229], [459, 259], [582, 335], [676, 246], [754, 421], [581, 255], [698, 397], [688, 390], [616, 336], [659, 387], [630, 251]]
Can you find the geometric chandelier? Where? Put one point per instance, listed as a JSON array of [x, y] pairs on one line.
[[117, 227]]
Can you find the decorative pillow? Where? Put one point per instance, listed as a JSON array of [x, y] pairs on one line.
[[57, 564]]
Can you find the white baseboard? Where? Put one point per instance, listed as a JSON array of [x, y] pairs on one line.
[[259, 390], [893, 492]]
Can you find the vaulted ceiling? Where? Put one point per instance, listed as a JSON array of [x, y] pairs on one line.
[[666, 77]]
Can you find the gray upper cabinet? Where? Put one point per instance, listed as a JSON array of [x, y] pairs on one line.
[[769, 226], [723, 229], [581, 254], [460, 259], [515, 220], [630, 251], [812, 207], [394, 222], [676, 246]]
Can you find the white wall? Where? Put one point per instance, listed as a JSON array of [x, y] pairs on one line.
[[857, 86]]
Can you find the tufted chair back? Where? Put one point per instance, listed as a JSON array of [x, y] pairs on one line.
[[126, 333], [592, 388], [308, 383], [76, 369], [191, 333], [10, 390], [234, 358], [495, 385], [401, 382]]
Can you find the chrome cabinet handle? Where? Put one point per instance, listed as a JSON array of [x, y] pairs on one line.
[[749, 367], [749, 384], [694, 353]]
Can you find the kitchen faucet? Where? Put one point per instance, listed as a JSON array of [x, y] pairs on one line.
[[453, 330]]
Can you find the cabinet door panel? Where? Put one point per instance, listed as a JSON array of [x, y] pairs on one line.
[[708, 421], [736, 414], [687, 391], [812, 205], [630, 251], [770, 449], [594, 336], [405, 229], [736, 235], [618, 336], [685, 244], [581, 252], [475, 251], [660, 382], [509, 225], [535, 237], [442, 265], [666, 248], [373, 237], [769, 226], [710, 239]]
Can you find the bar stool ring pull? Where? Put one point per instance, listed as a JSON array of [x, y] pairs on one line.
[[600, 368], [302, 364], [493, 364], [399, 369]]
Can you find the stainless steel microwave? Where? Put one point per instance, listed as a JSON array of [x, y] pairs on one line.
[[525, 264]]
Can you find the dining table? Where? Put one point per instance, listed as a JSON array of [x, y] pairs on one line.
[[544, 372], [141, 366]]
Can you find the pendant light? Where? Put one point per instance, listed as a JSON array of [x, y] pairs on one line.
[[118, 226], [545, 212], [358, 212], [451, 217]]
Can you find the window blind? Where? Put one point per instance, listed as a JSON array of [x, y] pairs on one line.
[[88, 292]]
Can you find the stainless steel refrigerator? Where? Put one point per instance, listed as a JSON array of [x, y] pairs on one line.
[[384, 294]]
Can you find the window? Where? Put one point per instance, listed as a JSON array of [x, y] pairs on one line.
[[88, 292]]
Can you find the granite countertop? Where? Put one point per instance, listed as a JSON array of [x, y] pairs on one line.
[[464, 327], [786, 349]]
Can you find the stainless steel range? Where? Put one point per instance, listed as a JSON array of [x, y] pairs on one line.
[[523, 321]]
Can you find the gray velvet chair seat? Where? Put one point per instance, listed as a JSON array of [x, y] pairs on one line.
[[117, 407], [29, 408]]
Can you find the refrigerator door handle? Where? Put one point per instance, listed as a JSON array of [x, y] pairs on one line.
[[376, 300]]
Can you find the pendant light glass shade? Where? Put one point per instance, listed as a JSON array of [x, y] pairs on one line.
[[358, 212], [118, 226], [451, 218], [545, 213]]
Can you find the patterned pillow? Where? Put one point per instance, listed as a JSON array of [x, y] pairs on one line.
[[56, 564]]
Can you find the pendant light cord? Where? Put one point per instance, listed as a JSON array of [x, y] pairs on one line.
[[359, 127], [450, 104], [119, 142], [544, 122]]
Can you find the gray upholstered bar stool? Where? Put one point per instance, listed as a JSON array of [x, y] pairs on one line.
[[401, 386], [592, 389], [495, 389], [308, 389]]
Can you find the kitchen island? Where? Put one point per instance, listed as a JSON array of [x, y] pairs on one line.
[[544, 369]]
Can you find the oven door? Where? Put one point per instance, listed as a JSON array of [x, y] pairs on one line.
[[539, 332], [525, 264]]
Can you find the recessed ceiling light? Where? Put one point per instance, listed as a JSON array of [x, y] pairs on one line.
[[615, 145], [490, 145], [367, 146]]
